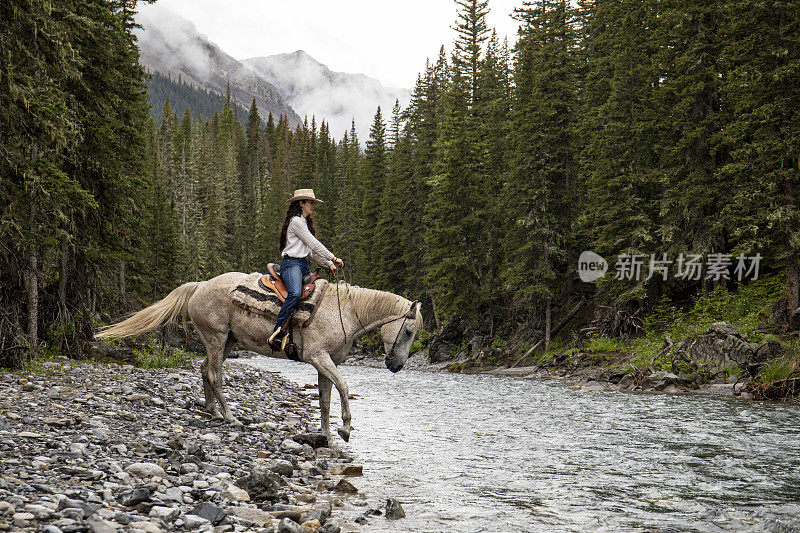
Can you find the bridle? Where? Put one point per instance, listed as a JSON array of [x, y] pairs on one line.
[[404, 316]]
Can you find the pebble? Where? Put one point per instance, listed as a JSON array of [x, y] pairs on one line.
[[107, 448]]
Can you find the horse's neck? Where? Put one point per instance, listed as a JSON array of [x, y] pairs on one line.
[[372, 307]]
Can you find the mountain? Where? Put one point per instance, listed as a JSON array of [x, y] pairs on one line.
[[171, 45], [313, 89], [201, 102]]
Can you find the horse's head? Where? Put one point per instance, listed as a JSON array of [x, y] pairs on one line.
[[398, 335]]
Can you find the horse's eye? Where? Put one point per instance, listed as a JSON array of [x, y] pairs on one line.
[[408, 331]]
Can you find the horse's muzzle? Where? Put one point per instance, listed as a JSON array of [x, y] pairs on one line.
[[391, 365]]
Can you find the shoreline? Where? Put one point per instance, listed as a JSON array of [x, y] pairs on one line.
[[585, 378], [107, 447]]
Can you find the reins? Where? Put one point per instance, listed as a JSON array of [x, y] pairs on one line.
[[363, 327]]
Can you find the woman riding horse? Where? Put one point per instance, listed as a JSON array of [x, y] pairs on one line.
[[297, 242]]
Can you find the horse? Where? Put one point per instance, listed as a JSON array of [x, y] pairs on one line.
[[343, 313]]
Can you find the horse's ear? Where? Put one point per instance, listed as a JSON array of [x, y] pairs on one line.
[[412, 313]]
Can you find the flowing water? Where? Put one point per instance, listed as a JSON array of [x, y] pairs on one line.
[[489, 453]]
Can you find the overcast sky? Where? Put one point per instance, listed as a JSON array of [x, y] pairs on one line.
[[388, 40]]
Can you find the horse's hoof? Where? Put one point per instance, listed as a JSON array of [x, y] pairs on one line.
[[344, 434], [235, 422]]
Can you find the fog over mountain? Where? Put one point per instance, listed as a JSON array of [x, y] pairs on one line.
[[313, 89], [294, 84], [171, 44]]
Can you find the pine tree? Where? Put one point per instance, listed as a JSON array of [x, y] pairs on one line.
[[620, 130], [762, 88], [373, 180], [543, 170]]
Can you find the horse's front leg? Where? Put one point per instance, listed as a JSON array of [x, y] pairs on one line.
[[325, 386], [324, 365]]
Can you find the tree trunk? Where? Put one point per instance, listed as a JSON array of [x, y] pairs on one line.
[[436, 320], [547, 324], [183, 172], [122, 281], [62, 280], [33, 282]]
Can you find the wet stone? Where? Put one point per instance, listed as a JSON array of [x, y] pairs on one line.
[[131, 498], [103, 438], [394, 510], [210, 512]]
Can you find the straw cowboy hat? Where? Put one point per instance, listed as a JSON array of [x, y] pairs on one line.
[[304, 194]]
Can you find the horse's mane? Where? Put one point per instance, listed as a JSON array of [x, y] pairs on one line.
[[371, 304]]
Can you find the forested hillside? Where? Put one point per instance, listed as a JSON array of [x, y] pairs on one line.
[[181, 95], [630, 127]]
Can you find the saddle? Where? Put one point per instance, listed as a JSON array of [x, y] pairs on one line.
[[272, 281]]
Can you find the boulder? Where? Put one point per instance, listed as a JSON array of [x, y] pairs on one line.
[[443, 346], [145, 470], [720, 347], [659, 380]]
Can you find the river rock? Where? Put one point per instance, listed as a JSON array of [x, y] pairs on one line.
[[130, 498], [317, 514], [315, 440], [329, 528], [99, 525], [348, 470], [210, 512], [261, 483], [139, 440], [279, 466], [235, 494], [145, 470], [252, 515], [394, 510], [288, 526], [167, 514], [146, 526], [345, 486], [292, 446], [659, 380]]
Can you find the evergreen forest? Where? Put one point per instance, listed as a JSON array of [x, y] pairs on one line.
[[634, 127]]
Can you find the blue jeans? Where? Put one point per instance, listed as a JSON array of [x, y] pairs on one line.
[[292, 272]]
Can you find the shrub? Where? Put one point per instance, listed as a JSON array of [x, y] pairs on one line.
[[157, 356]]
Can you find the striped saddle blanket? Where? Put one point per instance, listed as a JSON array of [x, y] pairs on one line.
[[249, 295]]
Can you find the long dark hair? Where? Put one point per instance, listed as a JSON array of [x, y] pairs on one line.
[[295, 210]]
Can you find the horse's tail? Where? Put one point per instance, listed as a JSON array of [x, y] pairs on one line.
[[149, 318]]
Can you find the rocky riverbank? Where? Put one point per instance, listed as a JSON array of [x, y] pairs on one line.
[[721, 361], [106, 448]]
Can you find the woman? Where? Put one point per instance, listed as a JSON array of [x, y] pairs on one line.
[[297, 243]]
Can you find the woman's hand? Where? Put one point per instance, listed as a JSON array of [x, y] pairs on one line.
[[332, 267], [339, 262]]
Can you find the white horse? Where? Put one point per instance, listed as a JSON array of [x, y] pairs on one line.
[[343, 313]]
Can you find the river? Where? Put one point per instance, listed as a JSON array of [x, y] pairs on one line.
[[488, 453]]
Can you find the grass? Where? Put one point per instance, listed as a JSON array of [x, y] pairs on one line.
[[157, 356], [782, 368]]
